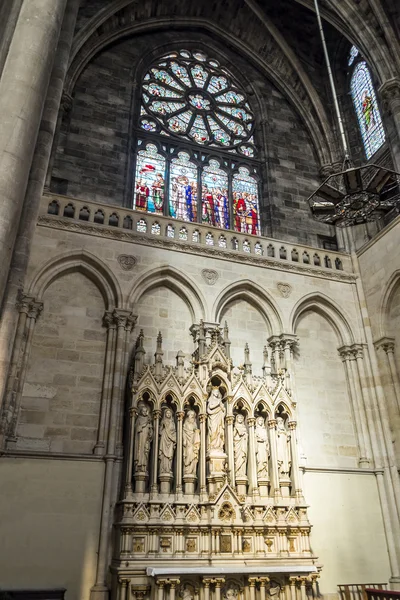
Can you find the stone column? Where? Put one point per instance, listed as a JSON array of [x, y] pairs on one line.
[[303, 582], [129, 461], [358, 353], [390, 94], [23, 89], [292, 583], [124, 584], [160, 589], [275, 489], [365, 454], [154, 475], [100, 591], [179, 452], [252, 587], [108, 322], [206, 585], [347, 358], [38, 168], [129, 326], [295, 460], [387, 345], [172, 588], [231, 454], [274, 343], [34, 310], [252, 464], [219, 581], [263, 582], [203, 488], [19, 344]]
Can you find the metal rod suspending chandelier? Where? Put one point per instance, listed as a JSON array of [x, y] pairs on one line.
[[355, 194]]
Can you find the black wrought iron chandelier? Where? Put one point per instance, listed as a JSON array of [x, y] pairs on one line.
[[355, 194]]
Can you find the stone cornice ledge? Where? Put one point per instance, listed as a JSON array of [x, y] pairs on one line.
[[339, 470], [126, 235], [53, 455]]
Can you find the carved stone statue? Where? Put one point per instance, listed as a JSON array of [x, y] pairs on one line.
[[283, 448], [262, 448], [143, 437], [240, 442], [167, 443], [186, 593], [191, 443], [216, 421], [230, 593]]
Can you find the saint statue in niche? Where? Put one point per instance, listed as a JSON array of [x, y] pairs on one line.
[[191, 443], [262, 448], [143, 437], [216, 421], [167, 442], [283, 448], [230, 593], [240, 439]]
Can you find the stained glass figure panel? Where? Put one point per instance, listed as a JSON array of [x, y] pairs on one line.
[[183, 188], [245, 202], [215, 204], [366, 107], [352, 55], [150, 180]]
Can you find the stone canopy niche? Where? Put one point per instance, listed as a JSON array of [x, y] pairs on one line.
[[212, 507]]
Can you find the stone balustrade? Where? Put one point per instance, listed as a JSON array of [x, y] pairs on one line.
[[152, 225]]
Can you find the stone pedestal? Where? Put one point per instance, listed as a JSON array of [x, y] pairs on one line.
[[241, 485], [165, 482], [140, 482], [285, 487], [216, 461], [263, 487], [190, 483]]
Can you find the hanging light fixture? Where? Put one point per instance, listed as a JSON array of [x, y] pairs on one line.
[[356, 194]]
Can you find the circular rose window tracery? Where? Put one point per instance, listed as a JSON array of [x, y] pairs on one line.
[[187, 95]]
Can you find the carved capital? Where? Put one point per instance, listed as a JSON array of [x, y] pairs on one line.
[[272, 423], [180, 415], [66, 102], [203, 418], [35, 308], [386, 343], [156, 415], [229, 420], [292, 425], [251, 421], [345, 353]]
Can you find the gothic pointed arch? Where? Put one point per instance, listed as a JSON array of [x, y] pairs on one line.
[[84, 262], [176, 281], [256, 296], [333, 313], [386, 301]]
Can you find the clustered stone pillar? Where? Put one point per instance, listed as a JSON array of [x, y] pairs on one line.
[[390, 94], [23, 89], [29, 311], [387, 345]]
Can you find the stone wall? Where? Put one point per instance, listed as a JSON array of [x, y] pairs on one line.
[[62, 392]]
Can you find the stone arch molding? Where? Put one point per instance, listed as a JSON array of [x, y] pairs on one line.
[[256, 296], [268, 55], [386, 301], [176, 281], [327, 308], [82, 262]]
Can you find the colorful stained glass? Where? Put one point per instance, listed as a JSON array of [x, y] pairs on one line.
[[149, 182], [199, 102], [239, 113], [170, 231], [181, 73], [165, 77], [217, 84], [230, 97], [247, 151], [214, 188], [209, 239], [183, 188], [245, 202], [183, 234], [198, 131], [141, 226], [188, 88], [366, 107], [148, 125], [199, 75], [352, 55], [156, 229], [196, 236]]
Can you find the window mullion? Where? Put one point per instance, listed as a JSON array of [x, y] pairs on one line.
[[199, 195], [166, 186]]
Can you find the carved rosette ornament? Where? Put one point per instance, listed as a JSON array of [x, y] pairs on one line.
[[210, 276], [126, 261], [285, 289]]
